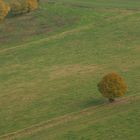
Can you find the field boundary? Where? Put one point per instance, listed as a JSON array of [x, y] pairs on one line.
[[63, 119]]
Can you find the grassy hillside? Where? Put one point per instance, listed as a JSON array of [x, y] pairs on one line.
[[51, 61]]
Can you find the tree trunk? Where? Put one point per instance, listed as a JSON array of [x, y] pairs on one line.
[[111, 100]]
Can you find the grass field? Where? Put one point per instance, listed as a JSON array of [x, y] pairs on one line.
[[51, 61]]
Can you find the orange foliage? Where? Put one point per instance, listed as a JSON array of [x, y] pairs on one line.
[[112, 85], [32, 4], [4, 9], [18, 7], [23, 6]]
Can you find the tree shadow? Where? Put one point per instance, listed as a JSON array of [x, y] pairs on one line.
[[94, 102]]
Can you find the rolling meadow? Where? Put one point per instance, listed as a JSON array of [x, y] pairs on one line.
[[51, 61]]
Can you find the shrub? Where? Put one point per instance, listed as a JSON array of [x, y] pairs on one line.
[[4, 9], [111, 86], [23, 6]]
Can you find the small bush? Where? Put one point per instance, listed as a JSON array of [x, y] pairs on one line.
[[111, 86], [19, 7], [4, 9]]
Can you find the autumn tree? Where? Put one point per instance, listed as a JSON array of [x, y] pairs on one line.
[[112, 86], [18, 7], [4, 9], [23, 6], [32, 5]]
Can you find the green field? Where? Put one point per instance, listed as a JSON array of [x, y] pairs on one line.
[[51, 61]]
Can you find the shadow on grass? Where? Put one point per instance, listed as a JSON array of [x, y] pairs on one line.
[[94, 102]]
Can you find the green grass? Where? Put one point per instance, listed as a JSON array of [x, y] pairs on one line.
[[97, 124], [51, 61]]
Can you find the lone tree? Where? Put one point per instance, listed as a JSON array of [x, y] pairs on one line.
[[112, 86]]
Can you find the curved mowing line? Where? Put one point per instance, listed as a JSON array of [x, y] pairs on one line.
[[60, 120], [54, 37]]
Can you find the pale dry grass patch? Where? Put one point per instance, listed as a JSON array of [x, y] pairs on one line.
[[137, 48], [69, 70]]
